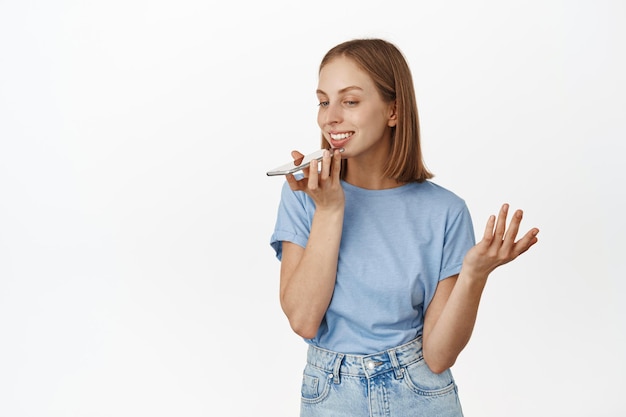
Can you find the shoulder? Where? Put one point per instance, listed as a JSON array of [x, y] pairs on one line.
[[438, 194]]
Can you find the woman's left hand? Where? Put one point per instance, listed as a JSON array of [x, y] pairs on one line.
[[498, 246]]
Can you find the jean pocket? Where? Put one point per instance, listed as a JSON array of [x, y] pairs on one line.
[[423, 381], [315, 384]]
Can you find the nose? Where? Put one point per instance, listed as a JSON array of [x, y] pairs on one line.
[[331, 114]]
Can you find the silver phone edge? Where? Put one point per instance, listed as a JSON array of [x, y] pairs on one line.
[[277, 171]]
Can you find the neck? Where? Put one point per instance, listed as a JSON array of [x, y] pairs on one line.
[[363, 176]]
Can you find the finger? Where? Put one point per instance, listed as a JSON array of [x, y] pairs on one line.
[[326, 163], [501, 223], [513, 229], [488, 236], [297, 156], [313, 175], [336, 164], [525, 243], [294, 184]]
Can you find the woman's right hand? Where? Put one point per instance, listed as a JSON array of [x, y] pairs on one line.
[[323, 186]]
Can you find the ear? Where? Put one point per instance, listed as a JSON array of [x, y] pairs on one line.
[[393, 115]]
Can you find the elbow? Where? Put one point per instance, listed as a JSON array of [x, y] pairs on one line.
[[302, 323], [438, 368], [304, 329], [437, 364]]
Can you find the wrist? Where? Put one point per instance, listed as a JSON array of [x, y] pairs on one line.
[[473, 276], [336, 211]]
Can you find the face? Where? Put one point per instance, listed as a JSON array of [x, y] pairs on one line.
[[352, 114]]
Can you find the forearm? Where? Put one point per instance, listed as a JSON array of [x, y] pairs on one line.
[[307, 288], [449, 324], [449, 335]]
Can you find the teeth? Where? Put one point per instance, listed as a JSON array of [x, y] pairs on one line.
[[340, 136]]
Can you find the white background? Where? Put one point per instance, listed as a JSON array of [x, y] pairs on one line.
[[136, 278]]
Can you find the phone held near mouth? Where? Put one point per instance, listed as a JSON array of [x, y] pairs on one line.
[[298, 164]]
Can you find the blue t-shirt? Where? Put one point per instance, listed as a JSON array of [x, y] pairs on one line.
[[396, 245]]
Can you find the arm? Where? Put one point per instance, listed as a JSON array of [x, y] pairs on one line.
[[452, 313], [307, 275]]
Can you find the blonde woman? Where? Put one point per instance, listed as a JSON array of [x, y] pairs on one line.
[[380, 273]]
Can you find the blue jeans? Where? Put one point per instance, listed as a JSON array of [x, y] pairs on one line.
[[393, 383]]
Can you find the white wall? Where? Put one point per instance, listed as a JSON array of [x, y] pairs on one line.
[[136, 277]]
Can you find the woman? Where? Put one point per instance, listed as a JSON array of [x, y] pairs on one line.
[[380, 273]]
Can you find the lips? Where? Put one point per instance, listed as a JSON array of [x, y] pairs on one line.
[[339, 139]]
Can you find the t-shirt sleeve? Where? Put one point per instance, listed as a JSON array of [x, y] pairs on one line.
[[459, 238], [293, 221]]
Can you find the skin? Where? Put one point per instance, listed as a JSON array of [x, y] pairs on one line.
[[350, 103]]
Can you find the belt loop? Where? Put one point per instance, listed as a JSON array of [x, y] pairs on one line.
[[396, 365], [337, 367]]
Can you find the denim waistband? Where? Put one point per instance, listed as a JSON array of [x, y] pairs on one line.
[[366, 365]]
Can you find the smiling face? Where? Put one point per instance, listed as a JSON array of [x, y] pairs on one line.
[[352, 114]]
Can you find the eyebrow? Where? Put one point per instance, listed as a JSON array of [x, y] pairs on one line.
[[343, 90]]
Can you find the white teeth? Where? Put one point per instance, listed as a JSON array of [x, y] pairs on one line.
[[340, 136]]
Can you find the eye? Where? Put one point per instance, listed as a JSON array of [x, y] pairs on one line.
[[351, 102], [323, 104]]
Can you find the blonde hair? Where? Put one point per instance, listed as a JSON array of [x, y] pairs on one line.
[[390, 72]]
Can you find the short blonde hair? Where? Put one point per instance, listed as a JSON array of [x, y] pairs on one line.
[[389, 70]]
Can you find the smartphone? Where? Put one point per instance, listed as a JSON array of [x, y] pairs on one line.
[[298, 164]]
